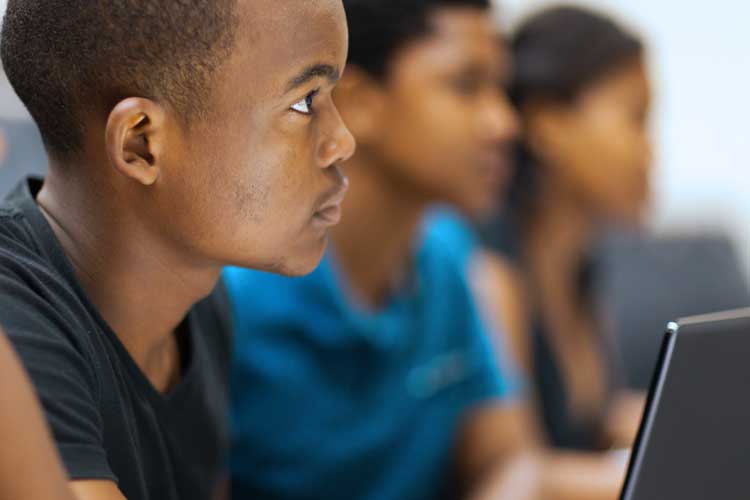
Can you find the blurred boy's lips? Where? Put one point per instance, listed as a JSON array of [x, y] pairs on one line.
[[495, 165]]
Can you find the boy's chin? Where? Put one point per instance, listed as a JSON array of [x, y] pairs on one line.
[[301, 263]]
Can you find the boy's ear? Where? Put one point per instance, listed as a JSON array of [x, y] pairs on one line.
[[135, 136], [360, 100]]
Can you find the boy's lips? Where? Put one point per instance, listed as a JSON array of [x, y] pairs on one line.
[[329, 213]]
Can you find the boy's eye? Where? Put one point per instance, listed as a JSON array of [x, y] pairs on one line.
[[305, 106]]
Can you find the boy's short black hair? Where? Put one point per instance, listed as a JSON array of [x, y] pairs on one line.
[[379, 28], [69, 58]]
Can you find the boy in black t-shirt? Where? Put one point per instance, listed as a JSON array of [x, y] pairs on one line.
[[182, 137]]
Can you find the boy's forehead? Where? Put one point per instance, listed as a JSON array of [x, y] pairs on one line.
[[465, 28], [459, 38], [278, 38]]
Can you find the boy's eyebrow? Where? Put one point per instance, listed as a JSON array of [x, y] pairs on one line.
[[331, 73]]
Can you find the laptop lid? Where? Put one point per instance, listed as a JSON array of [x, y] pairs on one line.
[[694, 440]]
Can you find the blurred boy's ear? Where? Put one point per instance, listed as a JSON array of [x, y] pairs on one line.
[[360, 100]]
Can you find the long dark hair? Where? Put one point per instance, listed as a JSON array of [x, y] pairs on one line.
[[557, 54]]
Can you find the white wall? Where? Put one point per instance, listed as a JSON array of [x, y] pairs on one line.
[[699, 54]]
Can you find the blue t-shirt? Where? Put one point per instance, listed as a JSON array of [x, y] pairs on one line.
[[332, 401]]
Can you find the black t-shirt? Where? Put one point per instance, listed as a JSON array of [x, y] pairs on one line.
[[109, 422]]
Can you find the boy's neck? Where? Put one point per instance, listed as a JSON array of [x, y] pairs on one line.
[[140, 284], [374, 243]]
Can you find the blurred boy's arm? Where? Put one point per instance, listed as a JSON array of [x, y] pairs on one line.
[[489, 437], [499, 291]]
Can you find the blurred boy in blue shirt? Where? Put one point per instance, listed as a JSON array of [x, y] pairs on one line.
[[374, 377], [334, 400]]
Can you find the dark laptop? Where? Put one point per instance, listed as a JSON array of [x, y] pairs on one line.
[[694, 441]]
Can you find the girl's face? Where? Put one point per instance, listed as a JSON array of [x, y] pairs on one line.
[[597, 149]]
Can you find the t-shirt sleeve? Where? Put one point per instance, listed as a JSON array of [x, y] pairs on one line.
[[62, 375]]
